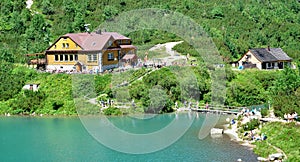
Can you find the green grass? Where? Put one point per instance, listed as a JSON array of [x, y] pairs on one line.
[[263, 149], [285, 136]]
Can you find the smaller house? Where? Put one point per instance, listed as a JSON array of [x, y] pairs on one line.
[[32, 87], [265, 58]]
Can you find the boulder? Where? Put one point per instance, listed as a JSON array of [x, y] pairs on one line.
[[214, 131], [275, 156], [261, 159]]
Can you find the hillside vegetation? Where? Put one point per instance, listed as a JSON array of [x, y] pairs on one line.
[[234, 25], [156, 92]]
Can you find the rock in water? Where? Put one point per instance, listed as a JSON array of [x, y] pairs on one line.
[[216, 131]]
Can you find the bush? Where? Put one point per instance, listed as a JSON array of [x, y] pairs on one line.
[[112, 111], [254, 123], [264, 112]]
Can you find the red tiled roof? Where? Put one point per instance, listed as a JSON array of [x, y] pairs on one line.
[[90, 41], [115, 35], [93, 41]]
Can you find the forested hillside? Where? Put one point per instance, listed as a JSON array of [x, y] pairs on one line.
[[234, 25]]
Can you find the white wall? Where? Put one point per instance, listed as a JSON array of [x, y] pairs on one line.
[[252, 59]]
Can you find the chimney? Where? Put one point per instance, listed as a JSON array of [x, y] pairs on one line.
[[268, 48], [98, 31], [86, 26]]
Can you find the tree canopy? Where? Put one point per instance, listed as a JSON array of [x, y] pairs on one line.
[[235, 26]]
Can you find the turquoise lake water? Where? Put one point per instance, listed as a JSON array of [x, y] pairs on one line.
[[67, 139]]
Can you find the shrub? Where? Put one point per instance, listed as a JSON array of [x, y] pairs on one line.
[[251, 125], [264, 112], [112, 111]]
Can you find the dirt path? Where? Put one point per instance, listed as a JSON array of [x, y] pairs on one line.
[[173, 55]]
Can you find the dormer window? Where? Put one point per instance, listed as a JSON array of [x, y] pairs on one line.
[[109, 43]]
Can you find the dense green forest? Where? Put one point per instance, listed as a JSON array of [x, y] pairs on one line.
[[156, 92], [234, 25]]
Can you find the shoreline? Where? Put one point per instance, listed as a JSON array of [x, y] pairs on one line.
[[233, 135], [39, 115]]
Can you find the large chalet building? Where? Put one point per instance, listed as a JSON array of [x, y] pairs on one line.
[[85, 52]]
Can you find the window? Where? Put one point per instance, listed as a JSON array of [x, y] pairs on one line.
[[270, 64], [66, 57], [92, 58], [109, 43], [67, 45], [76, 57], [71, 57], [110, 56], [63, 45], [61, 57], [56, 57], [54, 46]]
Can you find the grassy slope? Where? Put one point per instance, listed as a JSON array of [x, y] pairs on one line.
[[281, 135]]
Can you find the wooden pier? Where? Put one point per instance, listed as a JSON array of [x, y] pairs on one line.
[[216, 111]]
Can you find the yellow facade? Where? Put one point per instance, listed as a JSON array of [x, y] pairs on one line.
[[65, 44], [69, 58]]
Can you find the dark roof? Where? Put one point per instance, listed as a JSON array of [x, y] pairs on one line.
[[270, 54]]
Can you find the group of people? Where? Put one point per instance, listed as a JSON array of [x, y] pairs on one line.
[[190, 105], [107, 103], [291, 117], [250, 113], [255, 136]]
